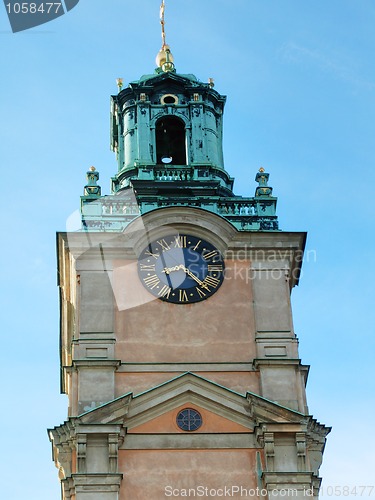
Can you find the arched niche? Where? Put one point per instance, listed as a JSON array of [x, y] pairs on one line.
[[170, 141]]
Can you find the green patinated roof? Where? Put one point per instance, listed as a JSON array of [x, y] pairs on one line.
[[145, 78]]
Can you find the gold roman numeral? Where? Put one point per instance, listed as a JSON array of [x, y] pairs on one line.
[[201, 293], [150, 254], [165, 291], [151, 281], [210, 281], [180, 242], [147, 267], [164, 245], [211, 254], [212, 268], [183, 296], [197, 245]]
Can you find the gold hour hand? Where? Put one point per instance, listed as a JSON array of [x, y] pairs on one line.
[[168, 270]]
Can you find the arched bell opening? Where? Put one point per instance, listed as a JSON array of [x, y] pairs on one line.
[[170, 141]]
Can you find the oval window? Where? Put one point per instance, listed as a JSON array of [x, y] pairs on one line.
[[169, 99]]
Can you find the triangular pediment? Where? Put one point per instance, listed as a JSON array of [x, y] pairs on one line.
[[162, 80], [225, 408], [166, 423], [170, 78]]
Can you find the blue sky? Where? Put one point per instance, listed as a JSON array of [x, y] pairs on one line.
[[300, 81]]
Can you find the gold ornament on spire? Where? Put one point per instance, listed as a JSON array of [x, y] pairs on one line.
[[120, 83], [162, 22], [164, 58]]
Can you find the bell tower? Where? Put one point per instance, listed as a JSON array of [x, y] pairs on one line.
[[177, 347], [167, 118]]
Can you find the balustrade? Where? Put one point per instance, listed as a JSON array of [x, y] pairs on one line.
[[237, 208], [173, 174]]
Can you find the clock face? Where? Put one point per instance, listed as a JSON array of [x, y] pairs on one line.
[[181, 268]]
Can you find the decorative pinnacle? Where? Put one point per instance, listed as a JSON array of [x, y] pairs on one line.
[[120, 83], [164, 58], [92, 189], [263, 190]]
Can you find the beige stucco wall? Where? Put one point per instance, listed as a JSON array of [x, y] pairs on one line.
[[147, 473], [220, 329], [241, 382]]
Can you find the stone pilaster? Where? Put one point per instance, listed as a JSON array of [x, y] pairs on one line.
[[282, 377]]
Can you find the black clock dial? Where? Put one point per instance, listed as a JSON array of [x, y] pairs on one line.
[[181, 268]]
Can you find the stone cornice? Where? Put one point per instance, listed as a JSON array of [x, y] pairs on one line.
[[288, 478], [258, 362], [185, 367], [95, 363]]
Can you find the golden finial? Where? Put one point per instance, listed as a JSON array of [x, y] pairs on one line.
[[164, 58], [261, 170], [92, 169], [120, 83]]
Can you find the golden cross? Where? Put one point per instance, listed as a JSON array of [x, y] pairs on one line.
[[162, 22]]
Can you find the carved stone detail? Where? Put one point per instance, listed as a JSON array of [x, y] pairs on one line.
[[68, 488], [113, 445], [301, 451], [81, 453], [62, 449], [315, 453], [269, 449]]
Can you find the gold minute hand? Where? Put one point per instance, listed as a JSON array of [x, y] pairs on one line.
[[168, 270], [192, 275]]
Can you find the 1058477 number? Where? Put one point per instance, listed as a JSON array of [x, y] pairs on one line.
[[34, 8]]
